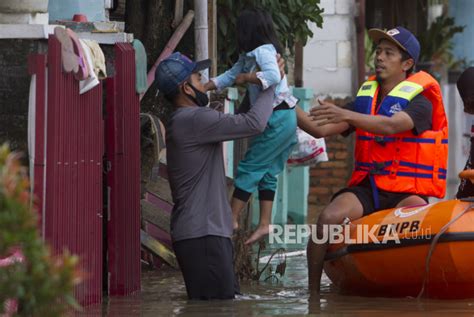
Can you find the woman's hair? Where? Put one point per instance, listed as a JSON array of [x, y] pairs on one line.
[[465, 84], [255, 28]]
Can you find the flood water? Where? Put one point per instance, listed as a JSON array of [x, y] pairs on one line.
[[164, 294]]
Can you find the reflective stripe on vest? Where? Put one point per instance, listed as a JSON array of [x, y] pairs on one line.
[[383, 139], [397, 100]]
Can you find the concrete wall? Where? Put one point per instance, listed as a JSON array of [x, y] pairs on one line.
[[24, 12], [24, 6], [329, 64], [65, 9]]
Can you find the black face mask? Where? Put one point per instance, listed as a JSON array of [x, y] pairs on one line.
[[201, 98]]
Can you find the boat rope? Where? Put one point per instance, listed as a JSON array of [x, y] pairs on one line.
[[433, 245]]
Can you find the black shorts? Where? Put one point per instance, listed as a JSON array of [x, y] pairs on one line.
[[363, 192], [207, 264]]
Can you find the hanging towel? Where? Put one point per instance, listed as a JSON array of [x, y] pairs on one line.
[[141, 65], [83, 72], [92, 81], [69, 59], [98, 59]]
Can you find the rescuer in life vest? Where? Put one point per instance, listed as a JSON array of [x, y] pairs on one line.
[[401, 135]]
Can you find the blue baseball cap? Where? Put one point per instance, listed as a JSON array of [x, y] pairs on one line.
[[399, 36], [175, 69]]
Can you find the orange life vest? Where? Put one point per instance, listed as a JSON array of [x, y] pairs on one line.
[[403, 162]]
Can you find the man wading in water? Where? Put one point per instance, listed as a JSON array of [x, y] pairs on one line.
[[201, 220]]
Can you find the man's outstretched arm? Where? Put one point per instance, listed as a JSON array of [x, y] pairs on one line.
[[213, 126], [307, 124], [329, 114]]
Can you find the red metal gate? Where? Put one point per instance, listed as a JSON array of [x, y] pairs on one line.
[[123, 180], [68, 181], [71, 139]]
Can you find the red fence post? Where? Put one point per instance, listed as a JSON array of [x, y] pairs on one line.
[[72, 195], [68, 170], [123, 155]]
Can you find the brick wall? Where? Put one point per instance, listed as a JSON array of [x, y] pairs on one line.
[[330, 69], [329, 177], [14, 89]]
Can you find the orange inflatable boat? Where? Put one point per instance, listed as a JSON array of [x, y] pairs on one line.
[[428, 249]]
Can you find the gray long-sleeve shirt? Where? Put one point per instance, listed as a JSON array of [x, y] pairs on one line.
[[196, 165]]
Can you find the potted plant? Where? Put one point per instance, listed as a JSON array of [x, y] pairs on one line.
[[33, 281], [369, 55], [436, 45]]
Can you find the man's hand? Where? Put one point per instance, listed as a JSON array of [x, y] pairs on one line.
[[281, 65], [210, 85], [242, 79], [252, 78], [328, 113]]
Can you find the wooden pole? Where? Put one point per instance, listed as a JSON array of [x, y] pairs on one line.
[[201, 32], [360, 29], [212, 21], [170, 46], [178, 13]]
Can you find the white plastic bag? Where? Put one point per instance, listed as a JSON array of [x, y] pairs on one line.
[[308, 151]]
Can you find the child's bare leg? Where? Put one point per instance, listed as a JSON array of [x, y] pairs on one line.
[[239, 200], [237, 205], [264, 223]]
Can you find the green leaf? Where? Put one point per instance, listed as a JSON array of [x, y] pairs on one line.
[[290, 19], [284, 20], [223, 26]]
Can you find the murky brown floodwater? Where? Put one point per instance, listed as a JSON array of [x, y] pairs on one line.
[[164, 294]]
